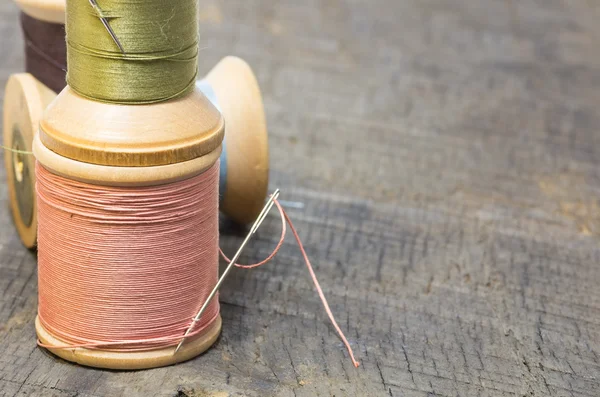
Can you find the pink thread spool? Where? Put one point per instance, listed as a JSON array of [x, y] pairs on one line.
[[127, 147]]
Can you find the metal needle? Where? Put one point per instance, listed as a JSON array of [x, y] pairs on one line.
[[107, 26], [255, 226]]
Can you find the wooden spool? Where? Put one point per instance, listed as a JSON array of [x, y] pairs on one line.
[[24, 101], [246, 140], [149, 145], [230, 85]]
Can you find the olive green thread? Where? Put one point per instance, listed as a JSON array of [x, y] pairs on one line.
[[16, 150], [161, 42]]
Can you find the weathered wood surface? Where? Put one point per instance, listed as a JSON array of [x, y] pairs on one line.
[[447, 156]]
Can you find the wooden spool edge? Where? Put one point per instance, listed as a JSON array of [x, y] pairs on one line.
[[132, 360], [174, 131], [246, 139], [45, 10], [121, 176], [25, 99]]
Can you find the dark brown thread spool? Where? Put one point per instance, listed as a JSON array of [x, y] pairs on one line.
[[45, 51]]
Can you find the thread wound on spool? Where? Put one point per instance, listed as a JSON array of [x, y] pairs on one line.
[[126, 268], [160, 40], [45, 51]]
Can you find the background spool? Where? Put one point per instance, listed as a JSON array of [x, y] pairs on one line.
[[246, 140], [26, 98], [45, 51]]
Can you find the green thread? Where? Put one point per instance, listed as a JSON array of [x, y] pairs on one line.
[[16, 150], [160, 39]]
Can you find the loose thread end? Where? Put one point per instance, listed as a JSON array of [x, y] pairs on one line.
[[8, 149], [285, 219], [318, 286]]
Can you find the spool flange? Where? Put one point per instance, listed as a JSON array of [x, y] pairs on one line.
[[132, 360], [246, 141], [44, 10], [24, 102]]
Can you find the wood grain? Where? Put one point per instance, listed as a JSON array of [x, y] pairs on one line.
[[444, 157], [164, 133]]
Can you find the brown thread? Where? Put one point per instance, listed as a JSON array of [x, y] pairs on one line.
[[45, 51]]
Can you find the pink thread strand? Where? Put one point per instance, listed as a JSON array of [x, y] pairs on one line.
[[285, 218]]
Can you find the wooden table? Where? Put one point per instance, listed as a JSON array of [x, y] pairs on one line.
[[444, 160]]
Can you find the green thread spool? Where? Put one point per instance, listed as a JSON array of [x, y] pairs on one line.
[[160, 40]]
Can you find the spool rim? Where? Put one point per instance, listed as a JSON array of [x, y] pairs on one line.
[[45, 10], [246, 139], [121, 176], [23, 108], [133, 360], [165, 133]]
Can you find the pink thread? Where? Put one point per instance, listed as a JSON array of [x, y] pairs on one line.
[[285, 218], [126, 267]]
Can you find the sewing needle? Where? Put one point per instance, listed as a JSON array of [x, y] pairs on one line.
[[255, 226], [107, 26]]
